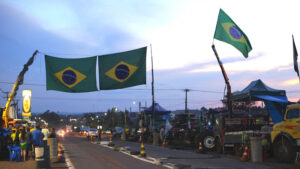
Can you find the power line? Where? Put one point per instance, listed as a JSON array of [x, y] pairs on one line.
[[194, 90]]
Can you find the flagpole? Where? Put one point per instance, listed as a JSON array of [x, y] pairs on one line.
[[229, 103], [152, 85]]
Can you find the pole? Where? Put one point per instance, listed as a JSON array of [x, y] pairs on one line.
[[185, 110], [18, 82], [229, 103], [152, 85], [140, 105]]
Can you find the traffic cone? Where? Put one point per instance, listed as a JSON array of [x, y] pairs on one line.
[[110, 142], [164, 144], [245, 156], [143, 150], [200, 146], [140, 139], [59, 150]]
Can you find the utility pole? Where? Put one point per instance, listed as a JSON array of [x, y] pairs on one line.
[[140, 105], [186, 110]]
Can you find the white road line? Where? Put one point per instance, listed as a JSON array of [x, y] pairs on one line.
[[148, 159], [67, 159]]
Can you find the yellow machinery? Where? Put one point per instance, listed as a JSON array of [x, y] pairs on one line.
[[286, 135], [15, 88]]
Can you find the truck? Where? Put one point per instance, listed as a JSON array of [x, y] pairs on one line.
[[193, 135], [230, 132], [286, 135]]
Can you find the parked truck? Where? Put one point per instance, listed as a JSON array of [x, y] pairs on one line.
[[191, 133], [286, 135]]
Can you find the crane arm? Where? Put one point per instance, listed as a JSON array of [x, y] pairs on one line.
[[15, 88], [229, 102]]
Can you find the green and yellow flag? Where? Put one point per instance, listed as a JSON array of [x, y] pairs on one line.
[[121, 70], [71, 75], [227, 31]]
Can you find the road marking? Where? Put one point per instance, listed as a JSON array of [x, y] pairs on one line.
[[67, 159], [147, 159]]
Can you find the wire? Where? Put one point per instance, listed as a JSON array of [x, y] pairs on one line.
[[194, 90]]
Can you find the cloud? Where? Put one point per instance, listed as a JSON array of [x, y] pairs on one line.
[[291, 82]]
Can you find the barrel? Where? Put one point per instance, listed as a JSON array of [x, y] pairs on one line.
[[256, 149], [52, 143], [42, 157], [39, 153]]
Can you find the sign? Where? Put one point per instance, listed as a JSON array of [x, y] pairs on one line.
[[26, 108]]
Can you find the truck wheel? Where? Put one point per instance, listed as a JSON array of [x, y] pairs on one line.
[[283, 150], [209, 142]]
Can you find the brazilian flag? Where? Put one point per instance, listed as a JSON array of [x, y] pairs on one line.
[[227, 31], [71, 75], [121, 70]]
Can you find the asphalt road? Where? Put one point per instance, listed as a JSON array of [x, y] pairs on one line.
[[83, 154]]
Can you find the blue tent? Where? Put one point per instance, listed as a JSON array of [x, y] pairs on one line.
[[158, 110], [274, 99], [258, 90]]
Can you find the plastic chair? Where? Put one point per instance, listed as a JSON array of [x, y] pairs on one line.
[[10, 153], [17, 151], [14, 153]]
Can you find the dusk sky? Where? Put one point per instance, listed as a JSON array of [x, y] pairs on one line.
[[181, 34]]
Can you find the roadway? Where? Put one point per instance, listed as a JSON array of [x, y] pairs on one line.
[[84, 154]]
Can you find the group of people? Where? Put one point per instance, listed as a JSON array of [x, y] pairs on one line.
[[27, 138]]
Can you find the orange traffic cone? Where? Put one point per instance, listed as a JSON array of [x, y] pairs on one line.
[[245, 156], [164, 144], [200, 146], [110, 142], [59, 150]]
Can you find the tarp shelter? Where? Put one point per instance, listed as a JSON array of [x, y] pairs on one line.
[[257, 91], [158, 110], [274, 99], [160, 116]]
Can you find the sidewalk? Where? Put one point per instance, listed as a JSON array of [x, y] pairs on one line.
[[30, 164]]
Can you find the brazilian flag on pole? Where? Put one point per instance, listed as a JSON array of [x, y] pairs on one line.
[[227, 31], [121, 70], [71, 75]]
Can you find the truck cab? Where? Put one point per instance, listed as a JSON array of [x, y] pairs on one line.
[[286, 135]]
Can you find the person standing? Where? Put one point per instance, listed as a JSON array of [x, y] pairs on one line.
[[45, 132], [52, 133], [28, 137], [23, 145], [37, 136]]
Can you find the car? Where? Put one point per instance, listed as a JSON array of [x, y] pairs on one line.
[[92, 133], [61, 133]]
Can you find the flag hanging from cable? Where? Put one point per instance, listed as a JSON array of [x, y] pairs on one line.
[[71, 75], [227, 31], [121, 70], [295, 56]]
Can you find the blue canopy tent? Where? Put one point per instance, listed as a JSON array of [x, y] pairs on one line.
[[158, 110], [274, 99], [160, 115]]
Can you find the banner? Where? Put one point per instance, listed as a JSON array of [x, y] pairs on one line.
[[121, 70], [71, 75], [26, 108]]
